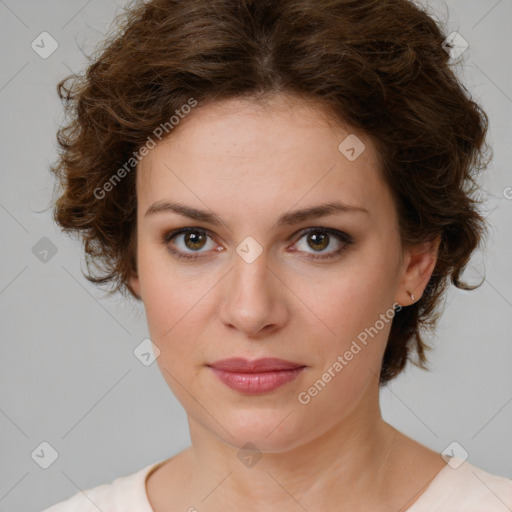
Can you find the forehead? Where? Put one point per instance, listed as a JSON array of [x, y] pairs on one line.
[[245, 152]]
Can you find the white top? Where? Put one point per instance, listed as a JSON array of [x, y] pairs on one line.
[[464, 489]]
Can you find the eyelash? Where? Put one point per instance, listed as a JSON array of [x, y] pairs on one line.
[[343, 237]]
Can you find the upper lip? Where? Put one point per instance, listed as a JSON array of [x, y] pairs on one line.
[[266, 364]]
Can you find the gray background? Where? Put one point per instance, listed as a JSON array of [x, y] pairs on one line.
[[69, 375]]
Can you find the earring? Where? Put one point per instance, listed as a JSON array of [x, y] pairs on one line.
[[412, 296]]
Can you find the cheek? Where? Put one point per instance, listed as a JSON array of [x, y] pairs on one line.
[[165, 298], [349, 353], [172, 306], [177, 303], [344, 301], [166, 291], [352, 319], [170, 311]]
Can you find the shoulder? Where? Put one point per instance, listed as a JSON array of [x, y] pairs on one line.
[[460, 486], [127, 492]]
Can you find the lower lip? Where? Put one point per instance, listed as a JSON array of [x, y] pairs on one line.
[[255, 383]]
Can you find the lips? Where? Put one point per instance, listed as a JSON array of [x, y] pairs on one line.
[[267, 364], [258, 376]]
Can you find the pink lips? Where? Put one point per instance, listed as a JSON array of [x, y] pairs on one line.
[[258, 376]]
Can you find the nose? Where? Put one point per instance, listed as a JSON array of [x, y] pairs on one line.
[[254, 298]]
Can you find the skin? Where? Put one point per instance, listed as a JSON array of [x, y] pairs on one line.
[[249, 163]]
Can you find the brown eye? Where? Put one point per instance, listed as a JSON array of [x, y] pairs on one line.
[[194, 241], [319, 239], [187, 241]]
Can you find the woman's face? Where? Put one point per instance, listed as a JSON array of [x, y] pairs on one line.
[[251, 286]]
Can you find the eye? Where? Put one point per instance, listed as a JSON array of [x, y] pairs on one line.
[[192, 239], [189, 242], [319, 239]]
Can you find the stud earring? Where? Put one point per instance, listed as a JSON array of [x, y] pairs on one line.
[[412, 296]]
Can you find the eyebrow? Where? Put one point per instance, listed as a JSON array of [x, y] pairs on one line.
[[288, 218]]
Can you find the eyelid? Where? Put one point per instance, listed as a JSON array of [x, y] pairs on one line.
[[343, 237], [167, 236], [331, 231]]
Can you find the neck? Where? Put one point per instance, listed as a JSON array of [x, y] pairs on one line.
[[344, 465]]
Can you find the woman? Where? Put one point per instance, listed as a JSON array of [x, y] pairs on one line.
[[287, 187]]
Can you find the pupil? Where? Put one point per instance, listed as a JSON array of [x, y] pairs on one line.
[[319, 238], [195, 240]]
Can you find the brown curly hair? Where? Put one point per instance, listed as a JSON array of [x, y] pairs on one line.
[[376, 65]]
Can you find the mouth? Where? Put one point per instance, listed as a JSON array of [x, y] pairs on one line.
[[258, 376]]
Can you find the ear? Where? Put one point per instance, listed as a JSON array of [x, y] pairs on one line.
[[134, 283], [418, 264]]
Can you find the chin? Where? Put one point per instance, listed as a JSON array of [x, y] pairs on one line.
[[269, 431]]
